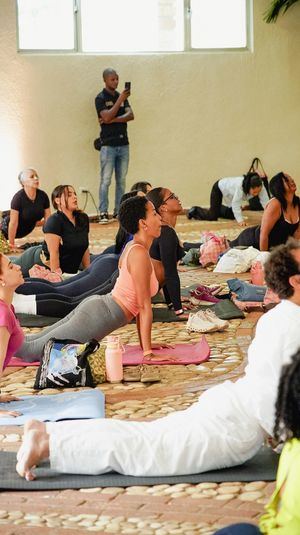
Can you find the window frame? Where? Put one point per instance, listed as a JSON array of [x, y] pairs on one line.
[[187, 48]]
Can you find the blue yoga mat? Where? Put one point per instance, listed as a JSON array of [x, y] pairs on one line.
[[53, 408]]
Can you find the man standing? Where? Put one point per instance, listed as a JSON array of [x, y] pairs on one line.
[[113, 113]]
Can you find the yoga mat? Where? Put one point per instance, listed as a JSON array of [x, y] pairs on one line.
[[262, 467], [34, 320], [181, 353], [224, 309], [64, 406], [133, 355]]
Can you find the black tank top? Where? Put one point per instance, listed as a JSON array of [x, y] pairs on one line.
[[282, 230]]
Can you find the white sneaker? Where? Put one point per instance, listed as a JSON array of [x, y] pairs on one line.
[[199, 323], [211, 316]]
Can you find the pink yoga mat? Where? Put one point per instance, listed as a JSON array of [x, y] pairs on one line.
[[133, 355], [181, 353]]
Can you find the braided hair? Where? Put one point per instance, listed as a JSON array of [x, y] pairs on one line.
[[287, 417]]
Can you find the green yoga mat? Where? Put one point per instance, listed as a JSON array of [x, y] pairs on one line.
[[262, 467], [34, 320], [225, 310]]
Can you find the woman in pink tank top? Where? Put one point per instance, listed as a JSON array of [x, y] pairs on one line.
[[11, 334], [99, 315]]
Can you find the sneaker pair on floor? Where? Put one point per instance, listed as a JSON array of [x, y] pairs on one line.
[[205, 295], [205, 321], [103, 218]]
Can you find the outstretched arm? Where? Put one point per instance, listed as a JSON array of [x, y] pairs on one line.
[[140, 268], [270, 216]]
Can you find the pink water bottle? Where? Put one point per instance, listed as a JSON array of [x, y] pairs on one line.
[[113, 360]]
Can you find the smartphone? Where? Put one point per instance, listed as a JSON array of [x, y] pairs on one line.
[[127, 86]]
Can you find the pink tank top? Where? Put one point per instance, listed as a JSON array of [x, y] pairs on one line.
[[10, 322], [124, 289]]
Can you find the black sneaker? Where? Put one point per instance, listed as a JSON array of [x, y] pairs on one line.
[[115, 215], [103, 218]]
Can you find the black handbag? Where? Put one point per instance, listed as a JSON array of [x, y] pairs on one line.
[[257, 167]]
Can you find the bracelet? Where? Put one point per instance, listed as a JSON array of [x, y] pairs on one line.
[[148, 352], [179, 312]]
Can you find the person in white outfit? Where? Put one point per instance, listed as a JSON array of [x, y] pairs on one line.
[[224, 428], [228, 195]]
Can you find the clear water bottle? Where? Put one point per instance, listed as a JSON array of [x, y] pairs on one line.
[[113, 360]]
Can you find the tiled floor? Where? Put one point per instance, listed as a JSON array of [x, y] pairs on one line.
[[163, 509]]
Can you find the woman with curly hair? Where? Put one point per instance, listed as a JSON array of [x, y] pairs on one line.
[[280, 219]]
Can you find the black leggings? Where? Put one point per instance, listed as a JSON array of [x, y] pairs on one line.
[[249, 236], [88, 280], [60, 305]]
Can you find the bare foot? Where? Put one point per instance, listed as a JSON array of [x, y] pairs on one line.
[[35, 448]]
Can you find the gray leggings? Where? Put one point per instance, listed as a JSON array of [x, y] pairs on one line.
[[95, 317]]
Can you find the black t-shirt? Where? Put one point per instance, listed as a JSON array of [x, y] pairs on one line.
[[114, 134], [30, 212], [74, 239], [168, 250]]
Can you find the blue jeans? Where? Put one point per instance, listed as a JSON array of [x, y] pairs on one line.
[[113, 159], [239, 529]]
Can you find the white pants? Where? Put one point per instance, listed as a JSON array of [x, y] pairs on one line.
[[215, 432]]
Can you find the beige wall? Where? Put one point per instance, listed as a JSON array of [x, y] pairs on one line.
[[199, 116]]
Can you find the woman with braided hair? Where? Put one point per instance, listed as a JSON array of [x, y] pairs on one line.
[[282, 515], [225, 427]]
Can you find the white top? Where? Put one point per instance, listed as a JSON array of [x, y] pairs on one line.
[[277, 338], [233, 195]]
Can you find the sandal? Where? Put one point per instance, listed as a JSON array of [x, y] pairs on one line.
[[132, 374], [149, 374]]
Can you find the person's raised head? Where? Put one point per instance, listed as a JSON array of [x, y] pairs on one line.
[[142, 186], [138, 214], [287, 408], [10, 274], [29, 177], [282, 270], [281, 185], [164, 200], [111, 78], [64, 197], [252, 184]]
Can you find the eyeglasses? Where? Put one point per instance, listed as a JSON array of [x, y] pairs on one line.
[[172, 196]]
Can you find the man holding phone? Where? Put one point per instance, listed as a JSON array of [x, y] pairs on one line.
[[113, 112]]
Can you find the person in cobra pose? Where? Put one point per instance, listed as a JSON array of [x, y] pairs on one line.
[[166, 250], [11, 334], [99, 315], [280, 219], [225, 427], [66, 244], [29, 207]]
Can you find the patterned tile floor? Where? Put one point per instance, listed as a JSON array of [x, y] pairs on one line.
[[162, 509]]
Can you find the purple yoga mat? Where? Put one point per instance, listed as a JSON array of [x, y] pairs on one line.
[[133, 355]]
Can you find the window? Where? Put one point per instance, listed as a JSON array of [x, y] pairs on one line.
[[131, 26]]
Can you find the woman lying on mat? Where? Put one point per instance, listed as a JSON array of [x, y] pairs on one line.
[[11, 334], [280, 219], [66, 244], [166, 250], [282, 515], [224, 428], [227, 196], [97, 316]]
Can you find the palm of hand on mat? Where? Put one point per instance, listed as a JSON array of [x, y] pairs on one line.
[[6, 399]]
